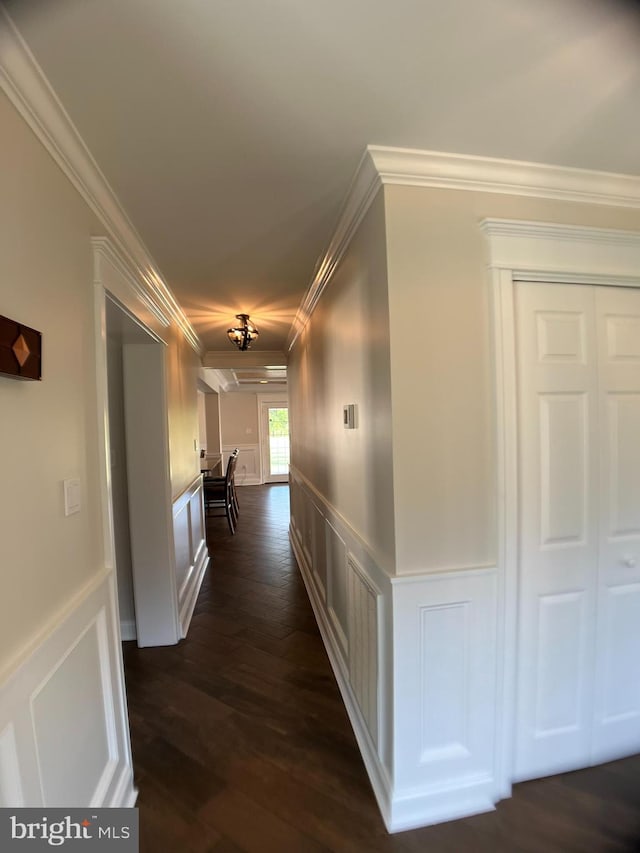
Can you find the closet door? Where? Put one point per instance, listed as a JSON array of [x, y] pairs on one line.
[[558, 526], [617, 706]]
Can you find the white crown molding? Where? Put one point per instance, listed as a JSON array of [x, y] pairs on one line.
[[360, 195], [408, 167], [381, 166], [26, 86]]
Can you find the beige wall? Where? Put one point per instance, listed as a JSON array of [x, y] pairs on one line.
[[442, 375], [48, 430], [183, 365], [212, 417], [343, 357], [239, 418]]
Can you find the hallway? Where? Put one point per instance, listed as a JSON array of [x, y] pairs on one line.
[[241, 741]]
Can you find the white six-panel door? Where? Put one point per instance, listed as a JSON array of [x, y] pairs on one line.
[[578, 374], [617, 683]]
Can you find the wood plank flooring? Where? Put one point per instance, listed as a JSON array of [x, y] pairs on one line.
[[241, 741]]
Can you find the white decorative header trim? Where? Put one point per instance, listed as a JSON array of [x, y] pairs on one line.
[[540, 251], [407, 167], [549, 231], [26, 86]]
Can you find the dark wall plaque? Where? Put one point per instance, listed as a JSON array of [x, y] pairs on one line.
[[20, 350]]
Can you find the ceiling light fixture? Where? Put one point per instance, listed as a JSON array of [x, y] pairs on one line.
[[244, 334]]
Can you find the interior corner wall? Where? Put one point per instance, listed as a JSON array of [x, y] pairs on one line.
[[342, 357], [444, 456]]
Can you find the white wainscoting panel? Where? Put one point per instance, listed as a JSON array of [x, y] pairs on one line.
[[444, 629], [182, 540], [319, 550], [337, 604], [363, 600], [191, 552], [70, 712], [349, 593], [248, 468], [64, 736], [416, 667]]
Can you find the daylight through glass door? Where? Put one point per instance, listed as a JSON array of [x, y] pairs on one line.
[[278, 441]]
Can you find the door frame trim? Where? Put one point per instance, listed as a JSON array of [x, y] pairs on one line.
[[546, 253]]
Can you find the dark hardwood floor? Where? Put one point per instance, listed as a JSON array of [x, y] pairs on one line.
[[241, 741]]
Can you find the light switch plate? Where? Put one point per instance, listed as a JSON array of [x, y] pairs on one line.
[[349, 416], [71, 496]]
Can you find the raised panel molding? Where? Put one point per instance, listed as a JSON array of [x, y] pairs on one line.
[[444, 681], [363, 607], [64, 737], [561, 625], [337, 604], [248, 465], [444, 654], [191, 551], [622, 659], [71, 715]]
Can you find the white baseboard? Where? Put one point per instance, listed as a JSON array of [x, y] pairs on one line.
[[377, 772], [128, 629], [437, 805], [124, 795]]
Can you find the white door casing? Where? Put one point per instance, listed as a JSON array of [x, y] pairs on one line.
[[552, 254]]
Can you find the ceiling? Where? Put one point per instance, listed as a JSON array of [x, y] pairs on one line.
[[230, 129]]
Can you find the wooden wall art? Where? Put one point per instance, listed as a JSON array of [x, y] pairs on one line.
[[20, 350]]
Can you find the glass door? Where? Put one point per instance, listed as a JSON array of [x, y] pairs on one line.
[[275, 446]]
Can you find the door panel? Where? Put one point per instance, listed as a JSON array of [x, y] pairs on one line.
[[578, 351], [558, 465], [617, 711]]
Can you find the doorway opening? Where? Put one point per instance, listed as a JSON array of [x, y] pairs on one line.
[[275, 442], [139, 488]]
